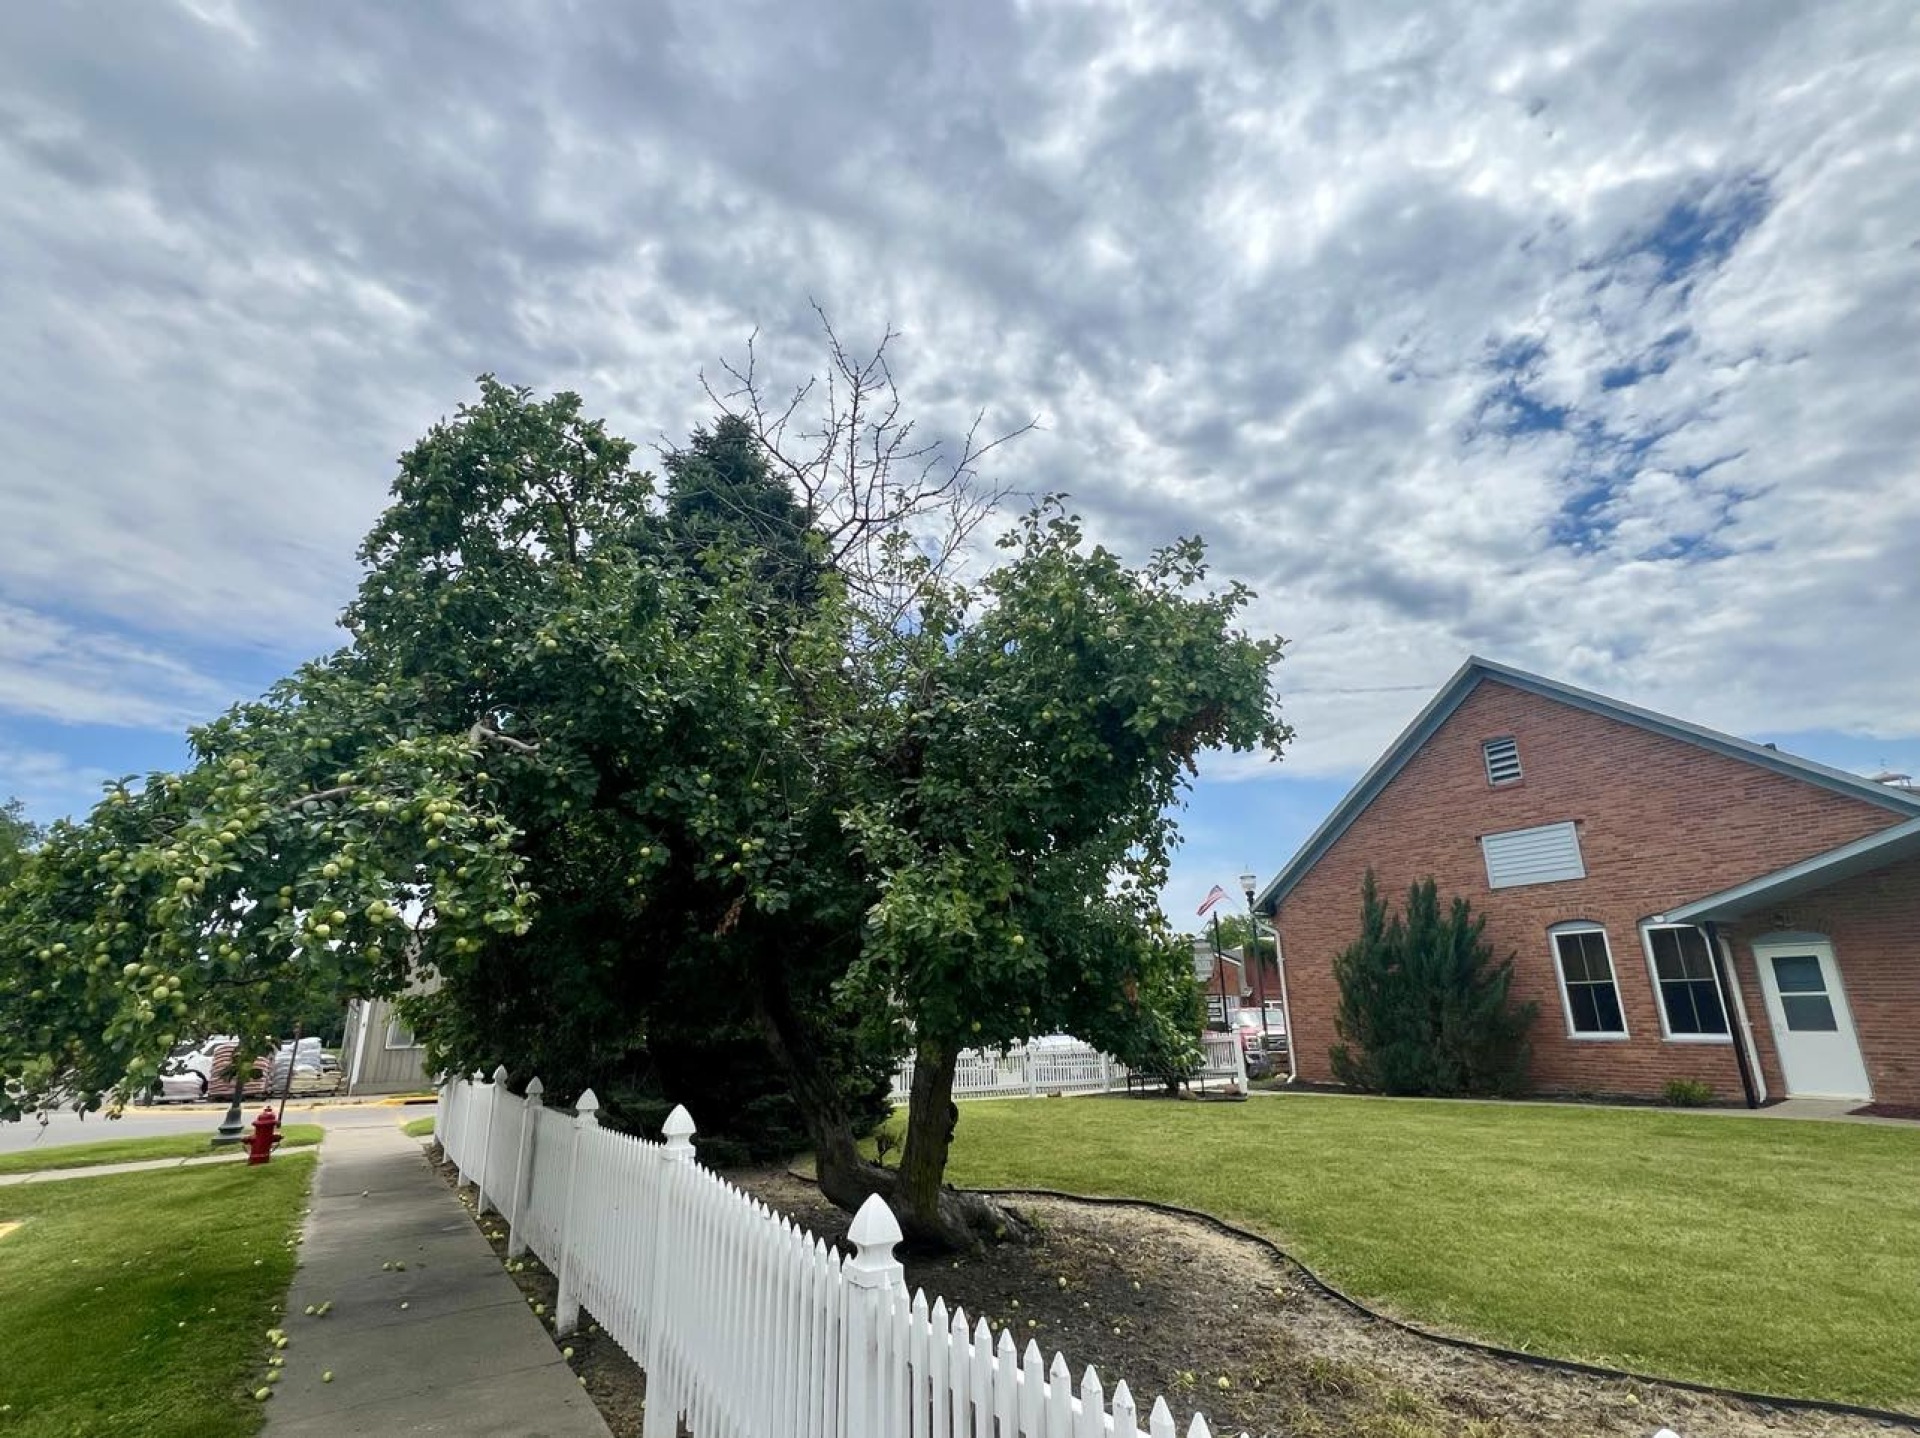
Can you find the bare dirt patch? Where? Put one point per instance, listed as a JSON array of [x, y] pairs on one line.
[[1174, 1306], [6, 1228]]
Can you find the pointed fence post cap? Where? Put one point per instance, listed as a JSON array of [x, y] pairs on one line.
[[586, 1106], [679, 1134], [534, 1087], [479, 1077], [874, 1231], [500, 1073]]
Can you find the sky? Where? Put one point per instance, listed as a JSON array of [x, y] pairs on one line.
[[1580, 336]]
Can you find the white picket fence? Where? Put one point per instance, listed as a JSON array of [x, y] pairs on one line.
[[746, 1326], [1035, 1069]]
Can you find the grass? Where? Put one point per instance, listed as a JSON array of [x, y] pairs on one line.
[[417, 1127], [135, 1150], [1776, 1256], [137, 1304]]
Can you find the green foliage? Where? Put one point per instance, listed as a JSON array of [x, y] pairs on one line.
[[1051, 721], [1233, 934], [678, 801], [1424, 1007], [1161, 1037], [18, 837], [1687, 1093]]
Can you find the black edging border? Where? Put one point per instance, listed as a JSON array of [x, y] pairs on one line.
[[1533, 1360], [1490, 1350]]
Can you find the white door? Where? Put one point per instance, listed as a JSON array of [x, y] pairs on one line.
[[1811, 1025]]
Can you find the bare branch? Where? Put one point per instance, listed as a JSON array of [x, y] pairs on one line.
[[860, 470], [482, 731]]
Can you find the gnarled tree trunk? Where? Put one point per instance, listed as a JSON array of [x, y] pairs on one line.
[[932, 1215]]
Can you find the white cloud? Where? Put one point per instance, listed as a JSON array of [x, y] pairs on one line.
[[46, 782], [1575, 336], [52, 670]]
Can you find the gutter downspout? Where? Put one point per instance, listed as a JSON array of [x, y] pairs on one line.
[[1286, 1008], [1744, 1059]]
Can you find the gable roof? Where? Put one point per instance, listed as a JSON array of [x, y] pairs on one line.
[[1453, 693]]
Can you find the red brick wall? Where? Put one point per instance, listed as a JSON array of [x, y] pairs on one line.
[[1661, 821], [1873, 924]]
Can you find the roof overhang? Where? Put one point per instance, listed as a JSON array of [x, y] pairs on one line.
[[1454, 692], [1862, 856]]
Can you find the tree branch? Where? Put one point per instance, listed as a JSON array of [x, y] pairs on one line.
[[482, 731]]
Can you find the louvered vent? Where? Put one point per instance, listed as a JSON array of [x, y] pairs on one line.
[[1545, 855], [1503, 760]]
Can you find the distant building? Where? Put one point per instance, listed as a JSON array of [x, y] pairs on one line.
[[379, 1053], [1681, 903]]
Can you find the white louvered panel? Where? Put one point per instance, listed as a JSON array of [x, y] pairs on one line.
[[1544, 855]]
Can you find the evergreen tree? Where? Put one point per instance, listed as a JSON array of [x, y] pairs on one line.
[[1424, 1006]]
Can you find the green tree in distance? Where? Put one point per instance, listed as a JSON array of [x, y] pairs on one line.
[[18, 836]]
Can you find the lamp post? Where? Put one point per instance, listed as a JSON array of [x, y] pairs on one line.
[[1248, 884], [233, 1128]]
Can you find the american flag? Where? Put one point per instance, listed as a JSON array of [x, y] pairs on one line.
[[1214, 896]]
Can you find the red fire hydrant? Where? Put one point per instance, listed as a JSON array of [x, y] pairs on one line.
[[265, 1135]]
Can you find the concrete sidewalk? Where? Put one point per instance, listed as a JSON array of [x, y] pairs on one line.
[[466, 1356]]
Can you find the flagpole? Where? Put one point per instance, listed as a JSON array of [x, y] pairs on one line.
[[1220, 970]]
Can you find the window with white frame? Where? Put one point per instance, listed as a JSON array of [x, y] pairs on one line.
[[1502, 757], [1691, 1006], [399, 1035], [1588, 991]]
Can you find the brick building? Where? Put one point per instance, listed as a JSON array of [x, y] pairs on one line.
[[1682, 904]]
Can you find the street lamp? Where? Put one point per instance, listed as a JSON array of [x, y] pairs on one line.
[[1248, 884]]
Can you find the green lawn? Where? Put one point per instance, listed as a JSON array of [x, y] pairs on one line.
[[138, 1305], [133, 1150], [1779, 1256], [417, 1127]]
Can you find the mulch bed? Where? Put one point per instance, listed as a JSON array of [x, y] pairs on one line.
[[1220, 1325], [1889, 1110]]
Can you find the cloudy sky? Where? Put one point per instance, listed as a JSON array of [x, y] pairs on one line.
[[1582, 336]]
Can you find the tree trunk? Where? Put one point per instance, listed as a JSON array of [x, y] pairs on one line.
[[932, 1216], [932, 1117]]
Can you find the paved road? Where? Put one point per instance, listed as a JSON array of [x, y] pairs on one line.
[[194, 1118]]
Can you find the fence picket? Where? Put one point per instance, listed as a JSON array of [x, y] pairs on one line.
[[982, 1379], [1033, 1392], [746, 1326], [939, 1360], [1160, 1424], [1059, 1398], [959, 1374], [1006, 1383]]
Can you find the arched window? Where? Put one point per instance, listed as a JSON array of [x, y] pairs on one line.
[[1589, 993]]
